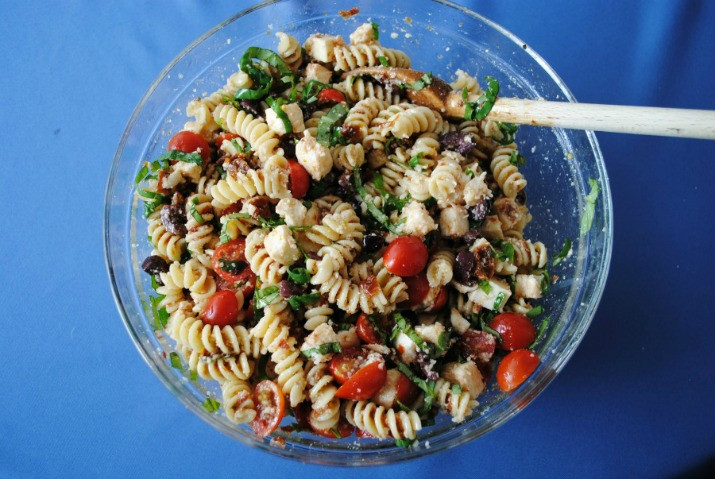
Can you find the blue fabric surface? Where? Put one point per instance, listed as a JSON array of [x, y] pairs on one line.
[[78, 401]]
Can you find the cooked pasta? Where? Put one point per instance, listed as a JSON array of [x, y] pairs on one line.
[[168, 245], [354, 56], [238, 401], [382, 423], [356, 89]]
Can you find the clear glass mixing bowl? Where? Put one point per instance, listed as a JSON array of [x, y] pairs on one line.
[[439, 37]]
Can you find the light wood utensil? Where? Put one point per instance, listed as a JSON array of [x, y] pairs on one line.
[[580, 116]]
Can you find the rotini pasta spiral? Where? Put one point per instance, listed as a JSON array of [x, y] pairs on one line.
[[266, 268], [199, 224], [416, 119], [207, 339], [317, 315], [507, 175], [202, 108], [459, 406], [326, 407], [362, 113], [193, 276], [167, 245], [356, 89], [446, 181], [238, 401], [289, 49], [529, 254], [382, 423], [272, 182], [354, 56], [439, 268], [348, 157]]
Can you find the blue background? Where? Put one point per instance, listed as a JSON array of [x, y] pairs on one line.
[[77, 400]]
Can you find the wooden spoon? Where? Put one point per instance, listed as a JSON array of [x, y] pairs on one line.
[[581, 116]]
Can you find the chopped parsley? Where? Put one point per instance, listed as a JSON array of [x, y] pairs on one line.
[[265, 296], [563, 253], [479, 109], [211, 405], [298, 301], [590, 208], [325, 348]]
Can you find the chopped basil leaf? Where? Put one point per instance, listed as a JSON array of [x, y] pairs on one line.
[[276, 105], [469, 173], [310, 91], [177, 155], [487, 329], [443, 341], [266, 296], [479, 110], [232, 267], [379, 216], [590, 208], [142, 173], [508, 130], [193, 375], [192, 209], [542, 328], [485, 286], [430, 202], [211, 405], [425, 80], [308, 204], [375, 30], [405, 442], [260, 78], [328, 131], [176, 361], [426, 386], [344, 326], [297, 302], [390, 201], [224, 237], [151, 206], [335, 432], [535, 311], [516, 159], [506, 252], [299, 275], [154, 282], [245, 149], [230, 101], [456, 389], [161, 316], [402, 324], [545, 281], [261, 367], [498, 301], [383, 61], [403, 406], [415, 160], [563, 253], [325, 348]]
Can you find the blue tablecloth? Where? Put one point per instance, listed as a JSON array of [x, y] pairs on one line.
[[78, 401]]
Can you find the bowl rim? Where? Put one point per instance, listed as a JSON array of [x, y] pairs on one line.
[[538, 384]]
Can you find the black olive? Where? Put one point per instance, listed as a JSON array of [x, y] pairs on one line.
[[471, 236], [154, 265], [251, 107], [464, 266], [173, 219], [480, 211], [458, 141], [372, 242], [290, 289]]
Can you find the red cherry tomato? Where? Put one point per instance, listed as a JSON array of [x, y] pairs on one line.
[[406, 256], [367, 330], [406, 390], [440, 300], [301, 413], [229, 262], [364, 383], [417, 289], [344, 429], [363, 433], [190, 142], [221, 309], [224, 136], [515, 329], [515, 368], [299, 179], [397, 387], [347, 363], [331, 95], [270, 408]]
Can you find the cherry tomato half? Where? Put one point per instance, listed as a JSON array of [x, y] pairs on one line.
[[299, 179], [224, 136], [405, 256], [363, 433], [364, 383], [331, 95], [417, 289], [367, 330], [397, 387], [221, 309], [190, 142], [440, 300], [515, 368], [270, 408], [347, 363], [344, 429], [515, 329], [229, 262]]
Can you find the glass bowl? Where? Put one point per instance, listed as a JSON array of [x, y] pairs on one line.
[[439, 37]]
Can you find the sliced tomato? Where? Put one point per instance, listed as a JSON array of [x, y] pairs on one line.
[[331, 95], [515, 368], [515, 329], [367, 330], [190, 142], [221, 309], [299, 179], [440, 300], [229, 261], [345, 364], [224, 136], [397, 387], [364, 383], [343, 429], [270, 408], [417, 289], [406, 256], [406, 390]]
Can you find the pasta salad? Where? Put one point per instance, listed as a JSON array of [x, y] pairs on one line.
[[326, 249]]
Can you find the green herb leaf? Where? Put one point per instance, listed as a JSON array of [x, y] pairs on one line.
[[403, 406], [299, 275], [535, 311], [590, 208], [265, 296], [193, 375], [563, 253], [402, 324], [415, 160], [506, 251], [260, 78], [508, 130], [406, 443], [328, 125], [375, 30], [517, 159], [160, 315], [542, 328], [310, 91], [211, 405], [379, 216], [335, 432], [154, 282], [344, 326], [192, 210], [487, 329], [298, 301], [232, 267], [276, 105], [142, 174], [443, 341], [479, 110], [261, 367], [426, 386], [485, 286], [545, 281], [469, 173], [425, 80], [498, 301], [325, 348], [175, 361], [177, 155], [383, 61], [456, 389]]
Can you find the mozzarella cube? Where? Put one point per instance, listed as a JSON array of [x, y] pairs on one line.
[[348, 338], [281, 245], [459, 324], [316, 71], [406, 348], [321, 46], [453, 221], [363, 35], [476, 190], [430, 332], [387, 395], [418, 221], [294, 114], [323, 334], [528, 286], [292, 211], [491, 228], [314, 157], [466, 375], [499, 293]]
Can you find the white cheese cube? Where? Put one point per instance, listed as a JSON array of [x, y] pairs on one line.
[[467, 375], [528, 286], [406, 348], [292, 211], [316, 71], [476, 190], [418, 221], [348, 338], [363, 35], [321, 46], [491, 228], [459, 324], [323, 334], [281, 245], [294, 114], [430, 332], [453, 221], [314, 157], [387, 394], [499, 293]]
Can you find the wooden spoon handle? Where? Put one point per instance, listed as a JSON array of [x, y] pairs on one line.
[[613, 118]]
